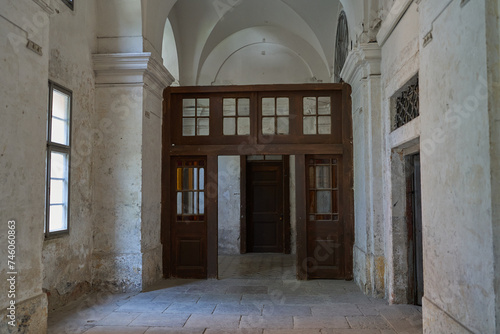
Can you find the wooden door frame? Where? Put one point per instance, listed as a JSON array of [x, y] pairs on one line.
[[286, 204]]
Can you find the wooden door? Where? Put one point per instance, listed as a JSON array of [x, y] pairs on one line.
[[325, 220], [189, 222], [265, 207]]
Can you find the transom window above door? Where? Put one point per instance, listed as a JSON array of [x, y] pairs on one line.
[[244, 115]]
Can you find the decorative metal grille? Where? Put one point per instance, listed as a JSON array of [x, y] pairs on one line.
[[407, 106], [341, 45]]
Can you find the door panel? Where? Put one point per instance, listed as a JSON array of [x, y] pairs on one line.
[[325, 226], [189, 224], [265, 207]]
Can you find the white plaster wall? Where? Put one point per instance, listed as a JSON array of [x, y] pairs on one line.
[[493, 37], [67, 260], [23, 117], [229, 204], [117, 259], [119, 26], [456, 183], [400, 63], [151, 188]]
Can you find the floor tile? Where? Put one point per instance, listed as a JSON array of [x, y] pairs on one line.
[[234, 331], [161, 320], [116, 330], [236, 308], [219, 298], [273, 310], [324, 322], [213, 321], [368, 322], [165, 330], [292, 331], [191, 308], [118, 319], [256, 321], [136, 307], [248, 290], [341, 309]]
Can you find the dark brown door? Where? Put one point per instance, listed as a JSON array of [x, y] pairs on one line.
[[265, 207], [189, 223], [325, 226], [414, 213]]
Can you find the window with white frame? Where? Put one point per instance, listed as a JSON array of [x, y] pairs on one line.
[[58, 160]]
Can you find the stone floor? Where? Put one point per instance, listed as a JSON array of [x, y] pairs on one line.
[[256, 294]]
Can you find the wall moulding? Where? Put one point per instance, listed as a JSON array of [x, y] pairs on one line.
[[131, 68], [362, 62]]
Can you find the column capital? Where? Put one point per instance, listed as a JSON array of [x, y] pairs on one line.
[[131, 68], [362, 62]]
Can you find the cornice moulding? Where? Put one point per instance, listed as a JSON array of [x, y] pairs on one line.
[[127, 68], [397, 11], [361, 62]]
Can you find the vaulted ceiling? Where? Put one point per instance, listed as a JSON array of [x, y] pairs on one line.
[[257, 41]]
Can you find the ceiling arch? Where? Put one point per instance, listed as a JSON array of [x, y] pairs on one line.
[[253, 36]]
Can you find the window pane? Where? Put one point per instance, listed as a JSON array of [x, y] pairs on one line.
[[179, 203], [255, 158], [201, 196], [58, 192], [324, 106], [60, 105], [282, 106], [274, 157], [188, 107], [243, 107], [187, 178], [324, 125], [268, 106], [324, 199], [58, 165], [283, 126], [229, 128], [188, 127], [203, 107], [268, 126], [60, 132], [188, 203], [243, 126], [310, 125], [195, 178], [57, 219], [229, 108], [202, 178], [203, 127], [309, 106], [323, 177]]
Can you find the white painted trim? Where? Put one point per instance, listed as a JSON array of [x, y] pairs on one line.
[[391, 21]]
